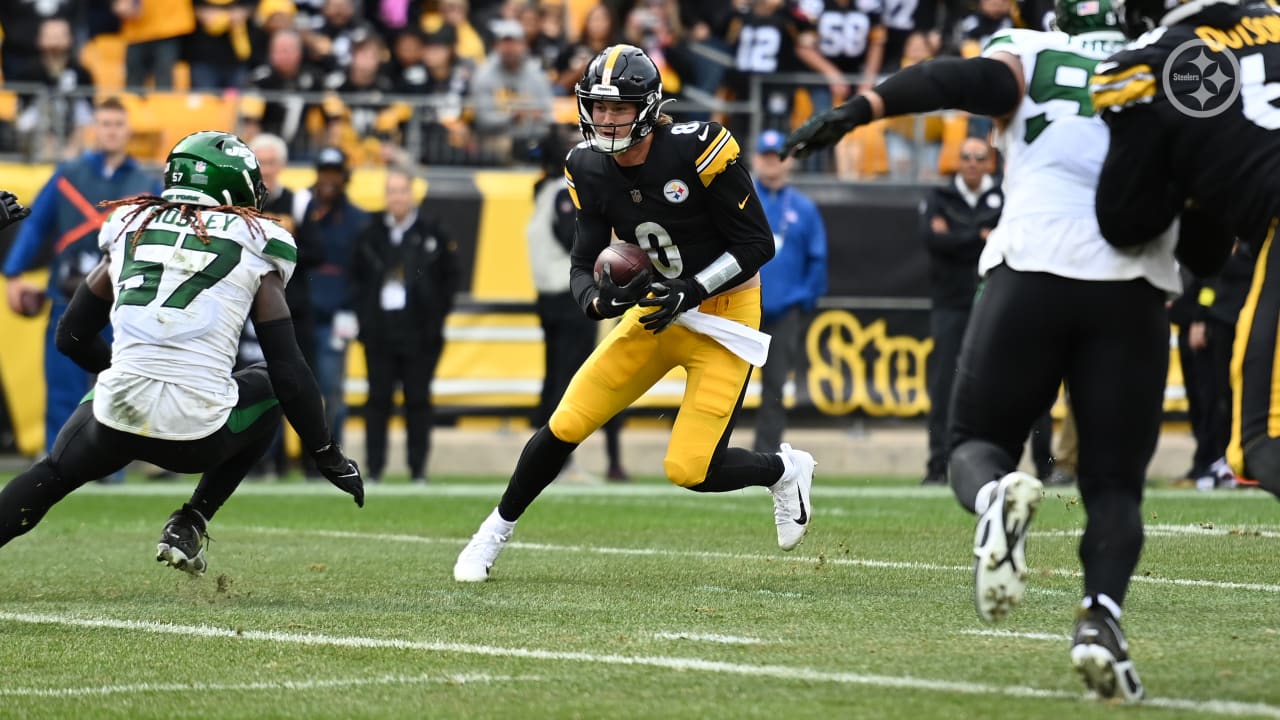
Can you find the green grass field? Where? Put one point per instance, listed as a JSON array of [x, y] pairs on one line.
[[633, 601]]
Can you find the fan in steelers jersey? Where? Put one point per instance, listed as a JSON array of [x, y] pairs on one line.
[[180, 274], [1195, 131], [678, 191], [1059, 304]]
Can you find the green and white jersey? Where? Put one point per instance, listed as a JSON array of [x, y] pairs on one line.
[[1053, 147], [180, 306]]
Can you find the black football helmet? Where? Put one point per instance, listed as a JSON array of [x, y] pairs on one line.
[[622, 73], [1141, 16]]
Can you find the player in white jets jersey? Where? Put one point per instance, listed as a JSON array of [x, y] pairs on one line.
[[179, 276], [1059, 303]]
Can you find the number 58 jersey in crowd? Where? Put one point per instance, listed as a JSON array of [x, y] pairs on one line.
[[1054, 146], [1193, 106], [180, 305]]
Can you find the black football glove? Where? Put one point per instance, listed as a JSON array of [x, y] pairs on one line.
[[826, 128], [11, 211], [616, 299], [671, 297], [340, 470]]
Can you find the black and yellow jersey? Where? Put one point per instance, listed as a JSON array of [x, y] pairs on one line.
[[690, 202], [1194, 111]]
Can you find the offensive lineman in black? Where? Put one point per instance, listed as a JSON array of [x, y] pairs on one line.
[[1195, 130], [677, 191]]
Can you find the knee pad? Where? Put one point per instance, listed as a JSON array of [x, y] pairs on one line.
[[686, 472], [974, 463], [1262, 463], [570, 426]]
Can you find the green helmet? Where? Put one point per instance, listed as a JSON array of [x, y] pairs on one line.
[[213, 168], [1077, 17]]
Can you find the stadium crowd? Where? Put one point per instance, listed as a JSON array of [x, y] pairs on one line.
[[452, 82]]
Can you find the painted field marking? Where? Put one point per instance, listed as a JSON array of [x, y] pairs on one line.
[[1015, 634], [493, 491], [1230, 708], [758, 591], [103, 690], [1169, 530], [709, 637], [718, 555]]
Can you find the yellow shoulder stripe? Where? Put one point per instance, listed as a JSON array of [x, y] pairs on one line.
[[573, 189], [1128, 87], [722, 151], [1126, 74]]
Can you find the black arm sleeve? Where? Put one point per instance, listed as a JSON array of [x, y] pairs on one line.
[[979, 85], [77, 335], [294, 385], [1136, 200], [746, 228], [591, 235], [1204, 245]]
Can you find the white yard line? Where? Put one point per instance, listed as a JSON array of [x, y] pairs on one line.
[[1165, 530], [759, 591], [1015, 634], [254, 686], [493, 491], [716, 555], [684, 664], [709, 637]]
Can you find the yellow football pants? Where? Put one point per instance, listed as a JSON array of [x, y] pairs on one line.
[[631, 360]]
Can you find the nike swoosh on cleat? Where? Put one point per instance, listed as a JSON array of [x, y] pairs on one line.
[[804, 514]]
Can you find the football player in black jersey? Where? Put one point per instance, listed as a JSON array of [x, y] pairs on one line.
[[677, 191], [1195, 131]]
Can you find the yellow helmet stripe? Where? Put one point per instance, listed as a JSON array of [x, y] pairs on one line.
[[606, 77]]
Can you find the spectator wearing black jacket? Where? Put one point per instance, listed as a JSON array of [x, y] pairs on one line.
[[402, 282], [955, 220]]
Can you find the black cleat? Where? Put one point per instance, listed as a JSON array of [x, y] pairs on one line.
[[182, 542], [1100, 654]]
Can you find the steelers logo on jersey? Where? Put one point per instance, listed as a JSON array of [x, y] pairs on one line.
[[675, 191]]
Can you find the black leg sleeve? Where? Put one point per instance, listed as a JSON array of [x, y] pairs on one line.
[[542, 459], [738, 468], [26, 499]]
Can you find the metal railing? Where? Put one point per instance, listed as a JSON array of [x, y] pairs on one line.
[[432, 130]]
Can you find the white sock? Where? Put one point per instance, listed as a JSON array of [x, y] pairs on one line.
[[787, 467], [1105, 601], [500, 526], [986, 494]]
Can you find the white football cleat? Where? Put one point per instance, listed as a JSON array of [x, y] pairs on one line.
[[792, 508], [1000, 546], [478, 556]]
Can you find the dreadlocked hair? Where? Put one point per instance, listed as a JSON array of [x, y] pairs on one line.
[[191, 213]]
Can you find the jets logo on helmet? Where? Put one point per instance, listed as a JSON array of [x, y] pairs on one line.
[[1078, 17], [214, 168], [621, 73]]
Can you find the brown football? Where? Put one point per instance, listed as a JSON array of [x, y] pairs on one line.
[[625, 262]]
